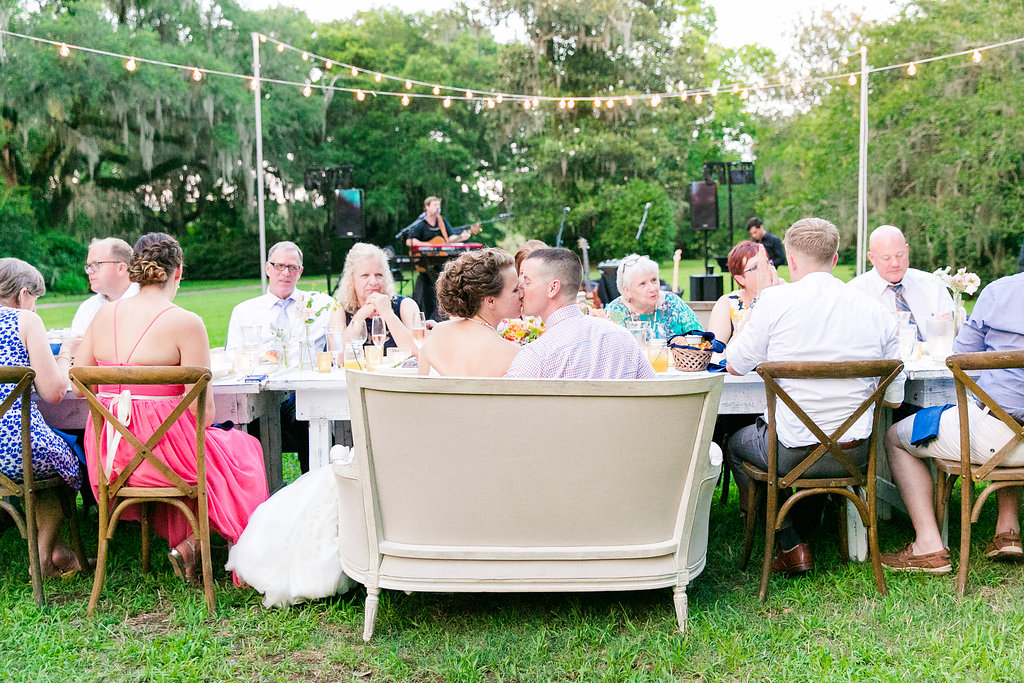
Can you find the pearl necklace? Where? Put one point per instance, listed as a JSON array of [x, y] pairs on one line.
[[481, 322]]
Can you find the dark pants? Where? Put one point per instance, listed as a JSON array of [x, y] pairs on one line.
[[750, 444], [294, 433]]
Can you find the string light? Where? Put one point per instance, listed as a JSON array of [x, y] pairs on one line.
[[629, 101], [64, 50], [735, 88], [912, 69], [354, 71], [307, 91], [197, 75], [490, 103], [469, 94], [328, 64], [853, 79], [447, 102], [698, 98], [610, 103], [408, 85], [744, 94], [976, 56], [305, 56], [683, 95], [526, 105], [130, 64], [536, 102], [280, 47], [561, 104], [655, 100], [571, 104], [378, 77], [499, 99], [436, 90], [360, 95], [405, 100], [845, 60], [263, 38], [797, 88], [253, 83]]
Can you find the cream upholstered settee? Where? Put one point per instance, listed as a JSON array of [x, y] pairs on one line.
[[504, 485]]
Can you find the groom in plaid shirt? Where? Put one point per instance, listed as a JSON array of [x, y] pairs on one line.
[[574, 345]]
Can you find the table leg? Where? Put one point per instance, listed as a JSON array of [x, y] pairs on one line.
[[856, 533], [270, 437], [319, 442]]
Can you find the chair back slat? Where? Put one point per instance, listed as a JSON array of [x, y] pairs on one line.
[[886, 371], [22, 378]]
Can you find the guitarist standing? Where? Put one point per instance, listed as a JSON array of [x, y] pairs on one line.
[[431, 226]]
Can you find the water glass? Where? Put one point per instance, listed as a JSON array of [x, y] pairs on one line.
[[657, 354], [354, 357], [940, 333], [335, 338], [907, 333], [640, 330]]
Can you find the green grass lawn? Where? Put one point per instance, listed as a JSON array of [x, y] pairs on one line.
[[830, 625]]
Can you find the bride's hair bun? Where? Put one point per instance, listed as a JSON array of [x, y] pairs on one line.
[[155, 258], [468, 280]]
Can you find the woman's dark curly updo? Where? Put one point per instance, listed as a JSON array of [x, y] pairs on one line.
[[468, 280], [154, 259]]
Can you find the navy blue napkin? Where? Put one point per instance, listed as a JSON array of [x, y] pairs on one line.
[[926, 424]]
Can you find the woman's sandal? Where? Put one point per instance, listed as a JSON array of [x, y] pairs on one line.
[[184, 569]]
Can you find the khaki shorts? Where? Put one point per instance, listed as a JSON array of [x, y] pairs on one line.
[[988, 435]]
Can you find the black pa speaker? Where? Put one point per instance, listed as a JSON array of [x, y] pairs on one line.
[[703, 205], [349, 220]]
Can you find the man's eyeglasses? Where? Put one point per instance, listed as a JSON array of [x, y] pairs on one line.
[[281, 266], [95, 265]]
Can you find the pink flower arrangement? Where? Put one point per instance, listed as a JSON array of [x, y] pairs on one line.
[[521, 330]]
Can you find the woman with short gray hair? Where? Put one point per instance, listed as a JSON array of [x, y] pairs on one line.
[[641, 298]]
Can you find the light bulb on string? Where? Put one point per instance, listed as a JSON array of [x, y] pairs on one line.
[[280, 47], [405, 100], [64, 50], [683, 95], [408, 85], [130, 64], [797, 88], [853, 79], [490, 103], [305, 56], [253, 83], [378, 77], [655, 100], [328, 64], [976, 56], [535, 102], [263, 38], [354, 71], [698, 98], [571, 104], [526, 105], [197, 75], [912, 69], [469, 94], [610, 103], [744, 94], [629, 101], [360, 95], [437, 90], [447, 102], [597, 103], [500, 98], [307, 91], [735, 88], [561, 104], [845, 60]]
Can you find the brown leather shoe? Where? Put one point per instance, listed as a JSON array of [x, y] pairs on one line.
[[797, 560], [929, 563], [1005, 546]]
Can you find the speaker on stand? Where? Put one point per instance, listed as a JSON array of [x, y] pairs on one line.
[[704, 219]]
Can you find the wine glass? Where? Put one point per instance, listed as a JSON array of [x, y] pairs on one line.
[[357, 334], [419, 328], [378, 331]]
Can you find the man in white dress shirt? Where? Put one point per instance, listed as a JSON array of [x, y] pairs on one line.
[[107, 268], [817, 317], [898, 286], [283, 307]]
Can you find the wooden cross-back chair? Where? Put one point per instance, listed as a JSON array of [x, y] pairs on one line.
[[118, 495], [828, 444], [25, 520], [970, 474]]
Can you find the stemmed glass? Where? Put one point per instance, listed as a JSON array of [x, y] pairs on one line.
[[419, 328], [379, 335]]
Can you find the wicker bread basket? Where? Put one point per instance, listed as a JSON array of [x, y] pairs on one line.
[[688, 358]]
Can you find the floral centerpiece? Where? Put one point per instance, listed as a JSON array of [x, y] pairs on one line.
[[959, 283], [521, 330], [309, 308]]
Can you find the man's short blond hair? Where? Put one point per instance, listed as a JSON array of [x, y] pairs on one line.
[[815, 238]]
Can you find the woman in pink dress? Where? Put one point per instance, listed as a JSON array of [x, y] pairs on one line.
[[148, 330]]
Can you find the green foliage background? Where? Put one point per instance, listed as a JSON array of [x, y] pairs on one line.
[[88, 149]]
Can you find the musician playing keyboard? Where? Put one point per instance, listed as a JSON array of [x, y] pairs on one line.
[[432, 228]]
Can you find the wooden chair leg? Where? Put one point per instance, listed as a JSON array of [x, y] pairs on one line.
[[32, 536], [101, 570], [876, 557], [207, 562], [753, 508], [726, 473], [770, 515], [844, 535], [966, 494], [144, 509], [372, 598]]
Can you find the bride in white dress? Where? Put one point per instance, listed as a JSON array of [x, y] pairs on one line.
[[289, 549]]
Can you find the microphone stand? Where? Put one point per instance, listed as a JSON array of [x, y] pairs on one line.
[[640, 230], [561, 226]]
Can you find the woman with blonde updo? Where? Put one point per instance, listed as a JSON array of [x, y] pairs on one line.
[[146, 330], [478, 290]]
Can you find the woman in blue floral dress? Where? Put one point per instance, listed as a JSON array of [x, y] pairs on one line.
[[641, 298], [23, 343]]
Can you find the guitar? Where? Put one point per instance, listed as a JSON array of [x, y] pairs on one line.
[[676, 257], [474, 228], [587, 287]]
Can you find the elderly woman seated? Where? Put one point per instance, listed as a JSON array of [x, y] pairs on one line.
[[641, 298], [753, 272], [23, 343], [367, 290]]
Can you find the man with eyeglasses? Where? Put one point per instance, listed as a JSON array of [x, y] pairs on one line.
[[897, 286], [284, 308], [107, 268]]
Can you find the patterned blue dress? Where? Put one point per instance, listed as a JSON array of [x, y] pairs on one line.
[[50, 453], [671, 317]]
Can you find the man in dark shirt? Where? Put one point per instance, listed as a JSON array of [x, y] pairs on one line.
[[772, 244]]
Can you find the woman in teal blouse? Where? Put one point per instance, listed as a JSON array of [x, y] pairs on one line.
[[641, 298]]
